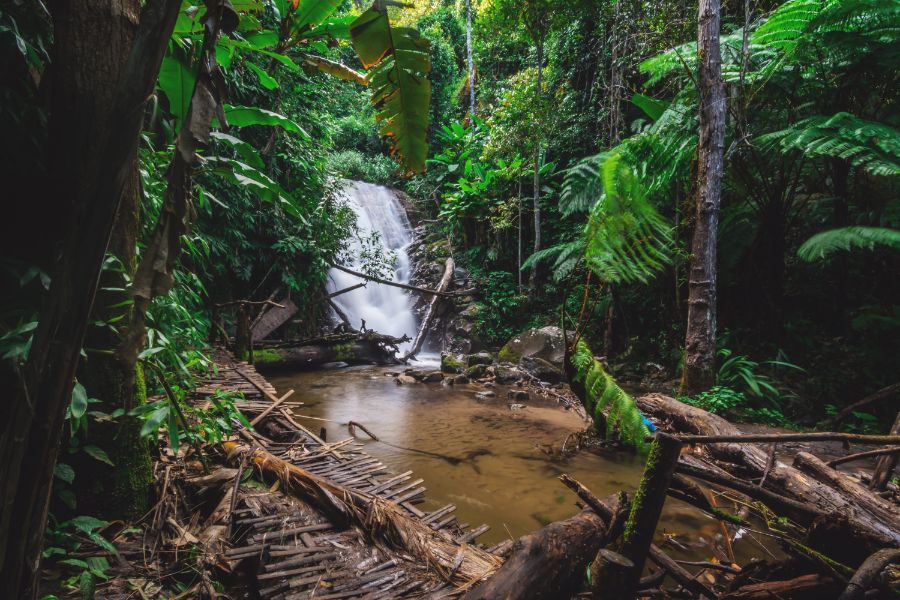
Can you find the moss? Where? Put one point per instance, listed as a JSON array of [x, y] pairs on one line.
[[449, 364], [507, 354], [343, 352], [266, 356]]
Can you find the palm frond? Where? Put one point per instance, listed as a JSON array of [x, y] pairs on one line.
[[822, 244]]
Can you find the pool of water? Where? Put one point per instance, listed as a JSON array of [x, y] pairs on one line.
[[498, 466]]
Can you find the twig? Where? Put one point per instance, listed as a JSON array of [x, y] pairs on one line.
[[825, 436], [861, 455], [173, 401], [274, 405], [353, 424]]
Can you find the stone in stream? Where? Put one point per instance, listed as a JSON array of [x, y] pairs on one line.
[[546, 343], [507, 374], [476, 371], [452, 364], [517, 395], [542, 369], [479, 358], [517, 407], [485, 394], [401, 379], [460, 380]]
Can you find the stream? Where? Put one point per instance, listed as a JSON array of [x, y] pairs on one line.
[[493, 462]]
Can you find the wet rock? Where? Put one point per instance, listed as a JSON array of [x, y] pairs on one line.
[[460, 380], [476, 371], [516, 406], [479, 358], [506, 374], [541, 369], [546, 343], [404, 379], [433, 377], [485, 394], [517, 395], [452, 364]]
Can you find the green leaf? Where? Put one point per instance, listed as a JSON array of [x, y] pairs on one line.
[[86, 523], [87, 585], [79, 401], [243, 116], [245, 150], [152, 423], [74, 562], [98, 453], [174, 440], [64, 472], [177, 80], [312, 12], [846, 238], [653, 107], [401, 92], [265, 80]]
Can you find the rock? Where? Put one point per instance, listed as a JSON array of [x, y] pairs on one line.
[[516, 406], [541, 369], [460, 380], [476, 371], [452, 364], [517, 395], [507, 374], [404, 379], [485, 394], [479, 358], [433, 377], [546, 343]]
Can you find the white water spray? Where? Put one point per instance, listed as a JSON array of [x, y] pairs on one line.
[[386, 309]]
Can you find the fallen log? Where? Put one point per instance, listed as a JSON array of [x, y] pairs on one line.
[[782, 479], [384, 521], [816, 436], [868, 572], [886, 464], [805, 587], [449, 266], [405, 286], [355, 348]]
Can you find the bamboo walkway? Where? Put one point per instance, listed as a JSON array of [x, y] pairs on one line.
[[298, 553]]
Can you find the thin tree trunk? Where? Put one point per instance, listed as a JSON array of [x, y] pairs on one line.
[[469, 58], [535, 268], [700, 339], [98, 147], [519, 260]]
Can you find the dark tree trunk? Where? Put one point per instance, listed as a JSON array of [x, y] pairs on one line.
[[536, 205], [700, 340], [120, 491], [96, 116]]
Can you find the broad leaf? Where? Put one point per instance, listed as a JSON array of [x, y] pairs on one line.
[[79, 401], [243, 116], [99, 454], [335, 69], [176, 80], [313, 12]]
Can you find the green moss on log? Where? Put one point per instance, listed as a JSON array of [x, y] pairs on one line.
[[267, 356]]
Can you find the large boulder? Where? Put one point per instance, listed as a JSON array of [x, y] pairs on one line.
[[545, 343], [452, 364]]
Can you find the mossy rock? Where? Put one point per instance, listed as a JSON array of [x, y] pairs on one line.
[[476, 371], [479, 358], [545, 343], [451, 364]]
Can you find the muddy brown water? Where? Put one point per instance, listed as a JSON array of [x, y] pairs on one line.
[[493, 463]]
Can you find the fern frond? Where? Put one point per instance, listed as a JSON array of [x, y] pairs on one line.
[[581, 186], [822, 244], [603, 394], [872, 146], [627, 239], [565, 257]]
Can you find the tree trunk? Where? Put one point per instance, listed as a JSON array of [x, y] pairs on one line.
[[120, 491], [92, 149], [700, 340], [469, 59], [430, 313], [535, 268]]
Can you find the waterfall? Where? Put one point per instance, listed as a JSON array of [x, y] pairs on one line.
[[385, 308]]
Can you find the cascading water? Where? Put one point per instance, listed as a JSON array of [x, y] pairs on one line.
[[384, 308]]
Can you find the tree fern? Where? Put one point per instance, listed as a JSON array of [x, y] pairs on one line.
[[872, 146], [825, 243], [627, 239], [565, 257], [602, 393]]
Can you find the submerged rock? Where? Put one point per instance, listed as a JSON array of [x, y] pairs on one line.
[[517, 406], [476, 371], [460, 380], [404, 379], [485, 394], [517, 395], [507, 374]]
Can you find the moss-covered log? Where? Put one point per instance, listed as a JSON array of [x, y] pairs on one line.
[[367, 348]]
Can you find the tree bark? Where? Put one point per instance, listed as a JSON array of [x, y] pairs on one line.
[[700, 339], [97, 148], [432, 310], [469, 59], [886, 464], [536, 206]]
